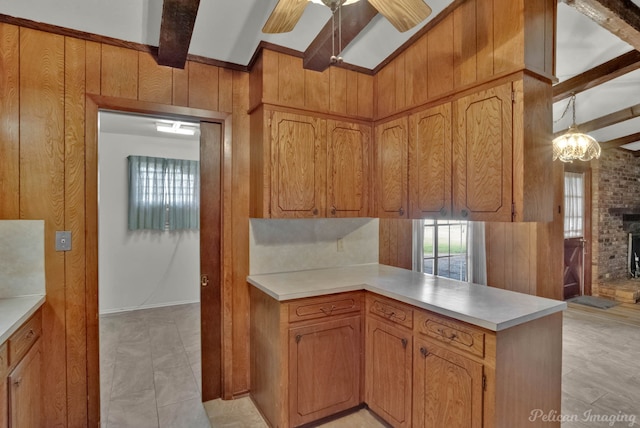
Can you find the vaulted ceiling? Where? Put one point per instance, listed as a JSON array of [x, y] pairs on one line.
[[597, 44]]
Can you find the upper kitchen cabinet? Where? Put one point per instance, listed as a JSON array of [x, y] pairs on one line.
[[307, 167], [482, 155], [391, 150], [348, 169], [430, 162]]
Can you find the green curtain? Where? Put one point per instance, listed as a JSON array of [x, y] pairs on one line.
[[163, 193]]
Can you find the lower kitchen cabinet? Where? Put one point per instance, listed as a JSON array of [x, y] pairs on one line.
[[388, 372], [306, 356], [20, 372], [24, 390], [324, 369], [447, 388], [4, 397]]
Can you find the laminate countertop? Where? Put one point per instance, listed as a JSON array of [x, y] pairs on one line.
[[14, 311], [487, 307]]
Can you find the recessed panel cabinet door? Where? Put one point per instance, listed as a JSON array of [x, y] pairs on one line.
[[482, 155], [348, 159], [298, 163], [25, 393], [447, 389], [392, 168], [324, 369], [430, 162], [388, 372]]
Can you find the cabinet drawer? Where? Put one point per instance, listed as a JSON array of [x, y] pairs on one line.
[[390, 310], [21, 340], [4, 359], [457, 335], [325, 306]]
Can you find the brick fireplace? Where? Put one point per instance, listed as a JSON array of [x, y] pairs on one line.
[[616, 212]]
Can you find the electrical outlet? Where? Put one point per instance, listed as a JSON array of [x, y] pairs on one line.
[[339, 245], [63, 240]]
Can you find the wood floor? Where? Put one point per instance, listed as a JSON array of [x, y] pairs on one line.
[[600, 383]]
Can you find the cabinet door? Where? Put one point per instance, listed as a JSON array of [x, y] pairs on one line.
[[25, 392], [298, 164], [348, 154], [388, 372], [392, 168], [482, 155], [430, 162], [447, 388], [324, 369]]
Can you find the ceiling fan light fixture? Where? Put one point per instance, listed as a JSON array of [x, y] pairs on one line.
[[573, 144]]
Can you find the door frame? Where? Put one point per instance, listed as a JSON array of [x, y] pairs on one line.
[[95, 103], [585, 168]]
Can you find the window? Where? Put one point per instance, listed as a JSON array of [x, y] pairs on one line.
[[163, 193], [444, 248], [573, 204]]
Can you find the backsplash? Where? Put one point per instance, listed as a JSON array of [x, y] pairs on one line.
[[21, 258], [302, 244]]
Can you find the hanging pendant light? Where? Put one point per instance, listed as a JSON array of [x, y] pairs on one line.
[[574, 145]]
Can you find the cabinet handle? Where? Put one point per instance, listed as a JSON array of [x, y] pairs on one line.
[[464, 213], [443, 211], [30, 334], [333, 210], [17, 382], [404, 343], [401, 211], [298, 337], [329, 310], [424, 351], [315, 211], [453, 336]]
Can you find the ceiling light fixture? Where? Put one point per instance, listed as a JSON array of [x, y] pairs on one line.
[[574, 145], [175, 128]]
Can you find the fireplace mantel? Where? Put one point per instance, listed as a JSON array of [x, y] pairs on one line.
[[624, 210]]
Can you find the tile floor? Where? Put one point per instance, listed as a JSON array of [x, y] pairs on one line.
[[150, 373]]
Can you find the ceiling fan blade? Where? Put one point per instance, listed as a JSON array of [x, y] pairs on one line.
[[285, 16], [403, 14]]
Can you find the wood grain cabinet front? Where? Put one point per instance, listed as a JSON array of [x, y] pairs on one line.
[[388, 364], [470, 158], [4, 397], [392, 169], [447, 388], [305, 166], [324, 369], [20, 375]]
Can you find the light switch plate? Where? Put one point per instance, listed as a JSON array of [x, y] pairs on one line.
[[63, 240]]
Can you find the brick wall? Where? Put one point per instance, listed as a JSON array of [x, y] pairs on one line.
[[616, 184]]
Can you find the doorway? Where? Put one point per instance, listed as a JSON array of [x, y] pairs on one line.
[[214, 135], [149, 293], [577, 231]]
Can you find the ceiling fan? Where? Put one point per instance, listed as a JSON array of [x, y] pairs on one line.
[[403, 14]]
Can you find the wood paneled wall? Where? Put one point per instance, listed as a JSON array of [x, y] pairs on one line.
[[396, 243], [44, 81], [480, 41], [279, 79]]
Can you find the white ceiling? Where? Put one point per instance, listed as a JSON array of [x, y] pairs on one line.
[[230, 31]]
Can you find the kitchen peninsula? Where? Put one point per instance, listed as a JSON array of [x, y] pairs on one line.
[[410, 346]]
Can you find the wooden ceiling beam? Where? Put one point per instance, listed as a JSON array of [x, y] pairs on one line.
[[607, 120], [598, 75], [176, 29], [620, 17], [355, 17], [617, 142]]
